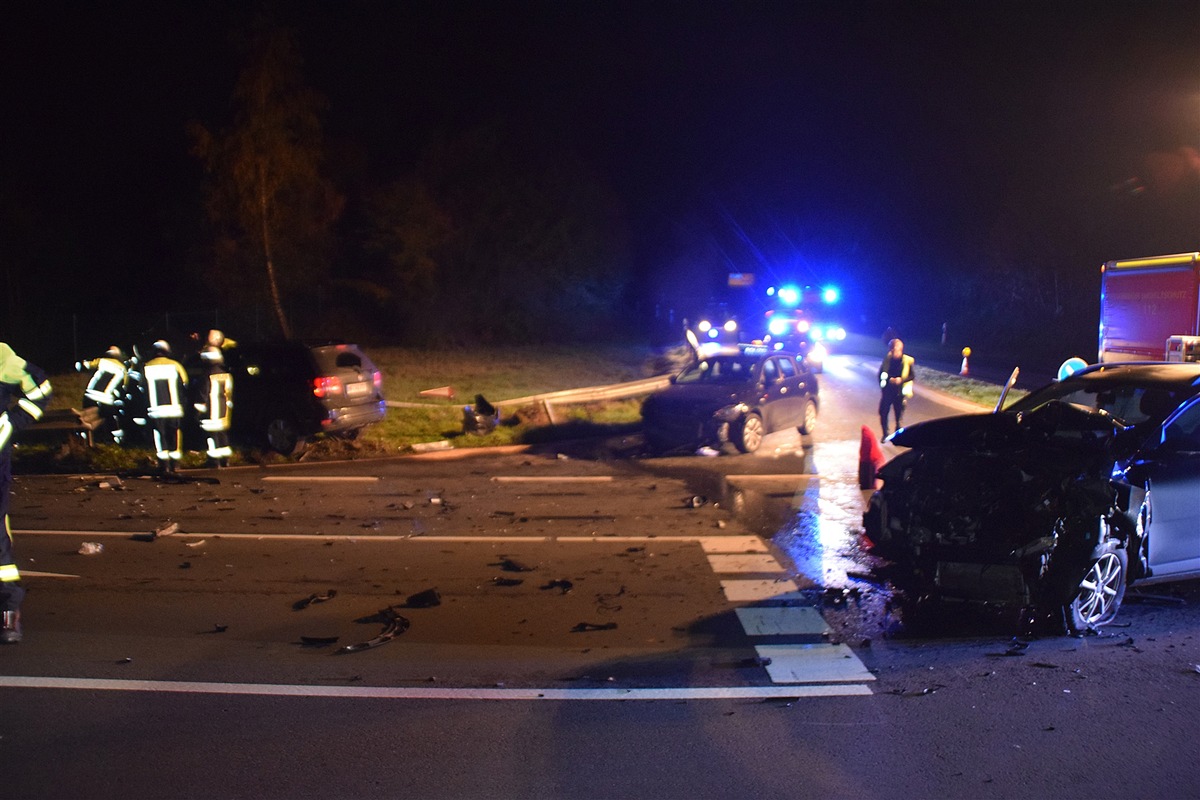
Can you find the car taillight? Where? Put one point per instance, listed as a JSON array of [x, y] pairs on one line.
[[326, 385], [377, 379]]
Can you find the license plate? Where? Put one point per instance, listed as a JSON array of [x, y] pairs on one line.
[[357, 389]]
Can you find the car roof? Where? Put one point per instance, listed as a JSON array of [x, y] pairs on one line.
[[1147, 372]]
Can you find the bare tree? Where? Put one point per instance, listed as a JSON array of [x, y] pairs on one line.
[[266, 194]]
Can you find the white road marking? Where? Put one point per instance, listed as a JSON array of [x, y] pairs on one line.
[[807, 663], [29, 573], [552, 479], [732, 544], [755, 562], [749, 591], [782, 621], [322, 478], [433, 693]]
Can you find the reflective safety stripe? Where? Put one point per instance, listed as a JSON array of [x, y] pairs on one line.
[[164, 386], [8, 573], [30, 408], [5, 429]]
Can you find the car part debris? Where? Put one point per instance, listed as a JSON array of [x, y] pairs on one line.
[[91, 549], [562, 584], [480, 418], [394, 625], [300, 605], [695, 501], [195, 544], [426, 599], [509, 565], [756, 661], [498, 581], [318, 641], [593, 626], [219, 628]]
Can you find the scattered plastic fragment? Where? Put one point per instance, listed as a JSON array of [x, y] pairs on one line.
[[696, 501], [559, 583], [167, 530], [756, 661], [186, 565], [394, 625], [195, 544], [299, 605], [91, 549], [498, 581], [426, 599], [593, 626], [219, 628], [318, 641], [509, 565]]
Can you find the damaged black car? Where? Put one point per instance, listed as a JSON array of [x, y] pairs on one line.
[[1052, 505]]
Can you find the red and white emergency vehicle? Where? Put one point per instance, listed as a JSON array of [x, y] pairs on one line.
[[1150, 309]]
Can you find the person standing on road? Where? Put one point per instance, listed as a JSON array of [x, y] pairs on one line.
[[28, 386], [895, 384], [166, 387], [214, 405]]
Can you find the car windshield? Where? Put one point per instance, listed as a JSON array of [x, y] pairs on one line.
[[720, 369], [1130, 401]]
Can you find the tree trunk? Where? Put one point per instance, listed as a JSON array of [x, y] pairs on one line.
[[272, 283]]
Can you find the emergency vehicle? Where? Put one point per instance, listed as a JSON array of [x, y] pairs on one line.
[[1150, 309]]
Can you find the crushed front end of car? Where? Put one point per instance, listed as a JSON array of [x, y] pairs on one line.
[[1004, 509]]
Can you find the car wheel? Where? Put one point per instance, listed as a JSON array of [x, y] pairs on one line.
[[284, 438], [809, 422], [749, 433], [1101, 590]]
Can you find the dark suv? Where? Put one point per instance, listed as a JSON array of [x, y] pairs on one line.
[[286, 393]]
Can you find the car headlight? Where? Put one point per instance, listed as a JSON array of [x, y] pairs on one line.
[[730, 413], [704, 326], [777, 326], [730, 325], [817, 353]]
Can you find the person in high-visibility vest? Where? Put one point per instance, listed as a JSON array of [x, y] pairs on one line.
[[166, 390], [214, 405], [895, 384], [27, 385], [105, 391]]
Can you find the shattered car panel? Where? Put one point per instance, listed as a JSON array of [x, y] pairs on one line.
[[1035, 506]]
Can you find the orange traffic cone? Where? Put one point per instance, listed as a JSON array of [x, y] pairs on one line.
[[870, 459]]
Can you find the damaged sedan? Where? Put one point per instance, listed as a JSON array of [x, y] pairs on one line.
[[1052, 505]]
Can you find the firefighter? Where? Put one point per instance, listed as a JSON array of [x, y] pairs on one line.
[[105, 391], [28, 386], [214, 405], [166, 387], [895, 384]]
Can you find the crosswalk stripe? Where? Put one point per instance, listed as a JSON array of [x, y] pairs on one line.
[[813, 663], [749, 591], [740, 562], [782, 621]]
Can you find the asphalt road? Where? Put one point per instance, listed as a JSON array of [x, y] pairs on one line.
[[606, 626]]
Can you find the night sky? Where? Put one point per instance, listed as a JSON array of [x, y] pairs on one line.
[[875, 144]]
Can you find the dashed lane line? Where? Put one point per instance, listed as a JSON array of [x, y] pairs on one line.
[[807, 663]]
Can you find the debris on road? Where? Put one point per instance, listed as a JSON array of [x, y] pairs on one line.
[[91, 549], [559, 583], [426, 599], [695, 501], [318, 641], [300, 605], [394, 625], [593, 626], [498, 581], [480, 418], [509, 565]]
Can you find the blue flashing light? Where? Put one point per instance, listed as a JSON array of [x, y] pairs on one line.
[[830, 295], [789, 295]]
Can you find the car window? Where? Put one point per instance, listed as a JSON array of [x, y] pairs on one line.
[[719, 369], [1183, 432], [786, 368], [770, 371]]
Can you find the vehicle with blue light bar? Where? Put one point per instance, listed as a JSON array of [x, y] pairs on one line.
[[803, 319], [732, 396]]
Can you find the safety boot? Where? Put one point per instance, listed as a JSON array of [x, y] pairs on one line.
[[10, 629]]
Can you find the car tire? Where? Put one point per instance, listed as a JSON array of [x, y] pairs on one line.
[[284, 438], [808, 422], [1102, 589], [749, 434]]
